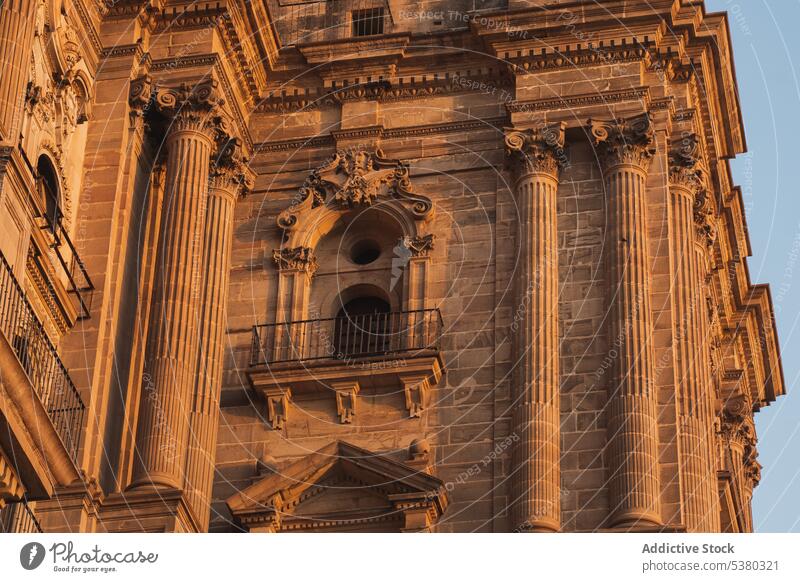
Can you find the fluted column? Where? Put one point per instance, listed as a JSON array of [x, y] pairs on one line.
[[230, 177], [170, 375], [625, 149], [689, 240], [536, 471], [17, 19]]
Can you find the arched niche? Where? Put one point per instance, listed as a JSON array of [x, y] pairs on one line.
[[355, 196]]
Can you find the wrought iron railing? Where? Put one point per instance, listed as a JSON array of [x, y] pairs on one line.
[[349, 337], [40, 360], [79, 284], [18, 518]]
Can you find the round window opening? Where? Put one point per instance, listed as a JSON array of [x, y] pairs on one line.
[[365, 252]]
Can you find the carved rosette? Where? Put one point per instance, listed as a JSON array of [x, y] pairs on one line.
[[419, 246], [296, 259], [537, 151], [624, 142]]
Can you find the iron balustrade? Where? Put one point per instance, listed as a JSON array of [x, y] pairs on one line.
[[39, 358], [347, 337], [18, 518], [79, 283]]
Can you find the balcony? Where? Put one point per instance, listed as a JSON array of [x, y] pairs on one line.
[[18, 518], [38, 358], [345, 354]]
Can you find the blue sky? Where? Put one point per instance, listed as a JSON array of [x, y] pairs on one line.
[[767, 56]]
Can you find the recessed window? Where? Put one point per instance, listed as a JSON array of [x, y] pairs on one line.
[[365, 252], [368, 22]]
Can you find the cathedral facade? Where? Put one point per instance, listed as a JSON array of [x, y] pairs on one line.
[[375, 265]]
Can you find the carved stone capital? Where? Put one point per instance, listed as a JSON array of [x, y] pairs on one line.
[[736, 421], [704, 219], [140, 93], [624, 142], [230, 169], [537, 151], [296, 259], [191, 107], [685, 169], [419, 246]]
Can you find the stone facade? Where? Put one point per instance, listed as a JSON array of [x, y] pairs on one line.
[[377, 266]]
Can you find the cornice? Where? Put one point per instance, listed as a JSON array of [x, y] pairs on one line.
[[284, 101], [584, 100], [495, 123]]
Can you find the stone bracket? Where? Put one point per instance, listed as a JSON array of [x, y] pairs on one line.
[[416, 389], [346, 399], [277, 399]]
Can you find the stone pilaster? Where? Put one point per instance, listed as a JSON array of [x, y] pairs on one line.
[[17, 19], [689, 248], [625, 149], [296, 268], [739, 436], [536, 472], [169, 377], [230, 178]]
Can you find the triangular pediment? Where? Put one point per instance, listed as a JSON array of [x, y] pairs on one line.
[[340, 487]]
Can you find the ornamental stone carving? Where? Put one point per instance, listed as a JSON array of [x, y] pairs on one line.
[[537, 151], [230, 167], [624, 141], [296, 259], [685, 163], [419, 246], [356, 178]]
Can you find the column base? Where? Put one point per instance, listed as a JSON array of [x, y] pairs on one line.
[[538, 526], [153, 511], [635, 518]]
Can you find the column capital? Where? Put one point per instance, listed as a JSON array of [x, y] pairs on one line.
[[685, 168], [538, 150], [624, 142], [230, 170], [191, 107]]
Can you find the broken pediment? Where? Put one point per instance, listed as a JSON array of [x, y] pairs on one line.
[[353, 179], [341, 487]]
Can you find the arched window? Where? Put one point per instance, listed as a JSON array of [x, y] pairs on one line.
[[49, 190], [363, 327]]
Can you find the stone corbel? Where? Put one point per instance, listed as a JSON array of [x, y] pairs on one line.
[[346, 399], [416, 389], [278, 400]]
